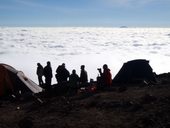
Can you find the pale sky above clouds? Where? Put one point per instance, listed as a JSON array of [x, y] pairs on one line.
[[135, 13]]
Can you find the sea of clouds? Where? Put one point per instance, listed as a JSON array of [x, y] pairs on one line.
[[23, 47]]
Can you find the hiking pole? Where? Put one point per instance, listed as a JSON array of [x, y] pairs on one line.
[[37, 98]]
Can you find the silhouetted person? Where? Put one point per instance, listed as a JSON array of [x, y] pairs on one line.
[[106, 77], [40, 73], [48, 74], [62, 74], [83, 76], [73, 80]]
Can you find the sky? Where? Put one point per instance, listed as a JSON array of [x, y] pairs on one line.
[[85, 13]]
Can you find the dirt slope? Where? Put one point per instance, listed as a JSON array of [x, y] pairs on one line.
[[120, 107]]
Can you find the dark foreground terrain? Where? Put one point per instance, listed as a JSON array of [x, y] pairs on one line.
[[132, 106]]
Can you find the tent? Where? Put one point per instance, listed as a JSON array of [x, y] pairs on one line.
[[13, 81], [135, 71]]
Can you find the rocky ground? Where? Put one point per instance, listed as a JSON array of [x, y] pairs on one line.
[[123, 106]]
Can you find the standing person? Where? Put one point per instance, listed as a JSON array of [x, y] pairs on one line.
[[62, 74], [73, 79], [83, 76], [40, 73], [48, 74], [106, 76]]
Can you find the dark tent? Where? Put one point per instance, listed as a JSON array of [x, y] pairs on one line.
[[12, 80], [135, 71]]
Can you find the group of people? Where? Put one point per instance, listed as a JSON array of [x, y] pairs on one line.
[[64, 77]]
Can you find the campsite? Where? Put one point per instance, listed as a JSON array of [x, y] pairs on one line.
[[134, 104]]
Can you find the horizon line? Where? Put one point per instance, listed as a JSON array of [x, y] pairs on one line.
[[65, 26]]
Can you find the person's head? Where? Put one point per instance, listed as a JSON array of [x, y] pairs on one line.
[[82, 67], [73, 71], [63, 65], [38, 64], [105, 66], [48, 63]]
